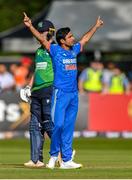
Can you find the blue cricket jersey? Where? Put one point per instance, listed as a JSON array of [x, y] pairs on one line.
[[65, 66]]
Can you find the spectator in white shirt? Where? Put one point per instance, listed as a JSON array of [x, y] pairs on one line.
[[6, 79]]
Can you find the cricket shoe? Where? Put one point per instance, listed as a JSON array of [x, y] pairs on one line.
[[70, 165], [51, 163], [59, 160], [32, 164]]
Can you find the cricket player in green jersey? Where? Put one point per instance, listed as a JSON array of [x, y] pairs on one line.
[[41, 93]]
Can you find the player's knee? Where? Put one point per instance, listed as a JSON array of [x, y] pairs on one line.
[[34, 119], [34, 124], [34, 128]]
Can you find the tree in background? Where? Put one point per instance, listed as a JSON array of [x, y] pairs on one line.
[[11, 11]]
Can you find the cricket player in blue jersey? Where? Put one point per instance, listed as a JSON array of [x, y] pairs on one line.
[[65, 95]]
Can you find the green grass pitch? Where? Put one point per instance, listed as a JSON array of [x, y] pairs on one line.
[[101, 158]]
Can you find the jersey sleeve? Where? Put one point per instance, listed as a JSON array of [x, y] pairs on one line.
[[53, 49], [77, 48]]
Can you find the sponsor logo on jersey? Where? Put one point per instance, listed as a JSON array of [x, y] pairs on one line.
[[70, 64], [41, 65], [71, 67], [69, 61]]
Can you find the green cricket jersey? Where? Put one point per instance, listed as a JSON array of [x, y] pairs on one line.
[[43, 75]]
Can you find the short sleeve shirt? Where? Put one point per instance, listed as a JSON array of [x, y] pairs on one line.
[[65, 66]]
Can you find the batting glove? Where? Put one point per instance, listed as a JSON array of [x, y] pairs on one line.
[[25, 94]]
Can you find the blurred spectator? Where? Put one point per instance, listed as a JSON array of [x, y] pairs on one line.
[[13, 68], [130, 77], [90, 80], [118, 83], [108, 71], [6, 79], [107, 74], [21, 72], [100, 66]]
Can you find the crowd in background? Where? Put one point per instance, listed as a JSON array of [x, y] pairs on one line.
[[16, 76], [109, 79], [97, 78]]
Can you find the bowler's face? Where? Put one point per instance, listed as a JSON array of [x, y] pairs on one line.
[[69, 39]]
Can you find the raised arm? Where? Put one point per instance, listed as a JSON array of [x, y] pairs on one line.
[[87, 36], [41, 38]]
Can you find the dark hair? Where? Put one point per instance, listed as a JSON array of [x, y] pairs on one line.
[[61, 34]]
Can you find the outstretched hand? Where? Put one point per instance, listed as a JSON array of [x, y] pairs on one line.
[[27, 21], [99, 22]]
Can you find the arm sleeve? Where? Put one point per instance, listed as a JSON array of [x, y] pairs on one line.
[[77, 48]]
